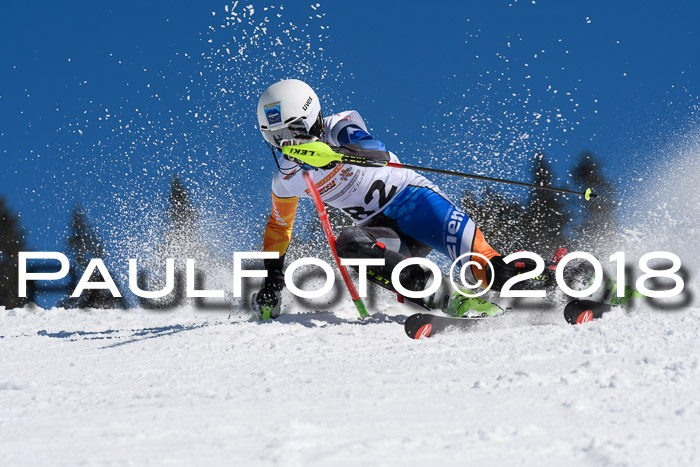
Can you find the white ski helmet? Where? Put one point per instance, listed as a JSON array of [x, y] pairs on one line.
[[289, 108]]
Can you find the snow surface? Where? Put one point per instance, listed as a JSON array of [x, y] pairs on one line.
[[188, 387], [195, 387]]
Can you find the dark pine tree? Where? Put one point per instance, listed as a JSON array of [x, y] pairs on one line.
[[84, 245], [545, 218], [180, 241], [11, 243], [598, 215], [181, 237], [498, 218]]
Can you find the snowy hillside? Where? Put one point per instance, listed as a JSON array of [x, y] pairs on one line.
[[190, 387], [187, 388]]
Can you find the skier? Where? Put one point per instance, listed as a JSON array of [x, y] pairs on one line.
[[397, 212]]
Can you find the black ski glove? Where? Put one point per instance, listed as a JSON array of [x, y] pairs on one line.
[[504, 272]]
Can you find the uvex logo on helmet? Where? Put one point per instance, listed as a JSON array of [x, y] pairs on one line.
[[308, 103]]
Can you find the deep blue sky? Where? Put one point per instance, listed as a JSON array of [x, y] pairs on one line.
[[102, 103]]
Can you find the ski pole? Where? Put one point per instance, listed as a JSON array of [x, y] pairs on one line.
[[318, 154], [359, 304], [587, 195]]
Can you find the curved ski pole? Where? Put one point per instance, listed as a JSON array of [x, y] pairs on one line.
[[359, 304]]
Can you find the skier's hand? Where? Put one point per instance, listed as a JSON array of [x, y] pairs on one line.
[[504, 272], [299, 139]]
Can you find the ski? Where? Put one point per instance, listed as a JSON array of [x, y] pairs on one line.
[[420, 325], [583, 311]]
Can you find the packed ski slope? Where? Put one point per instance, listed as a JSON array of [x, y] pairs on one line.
[[194, 387], [187, 387]]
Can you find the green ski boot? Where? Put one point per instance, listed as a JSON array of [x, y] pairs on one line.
[[455, 304], [460, 306]]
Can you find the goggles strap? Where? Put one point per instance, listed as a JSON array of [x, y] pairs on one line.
[[279, 169]]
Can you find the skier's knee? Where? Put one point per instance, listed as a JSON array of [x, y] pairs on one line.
[[353, 242]]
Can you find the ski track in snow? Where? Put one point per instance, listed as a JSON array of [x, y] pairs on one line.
[[190, 387]]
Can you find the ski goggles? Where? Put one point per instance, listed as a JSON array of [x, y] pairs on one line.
[[293, 129]]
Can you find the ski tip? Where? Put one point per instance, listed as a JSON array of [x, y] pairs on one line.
[[585, 316], [424, 331], [417, 326], [583, 311]]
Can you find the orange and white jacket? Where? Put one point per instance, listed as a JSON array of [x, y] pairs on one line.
[[360, 192]]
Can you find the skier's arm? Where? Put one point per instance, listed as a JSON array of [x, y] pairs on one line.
[[348, 128], [354, 135], [278, 233]]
